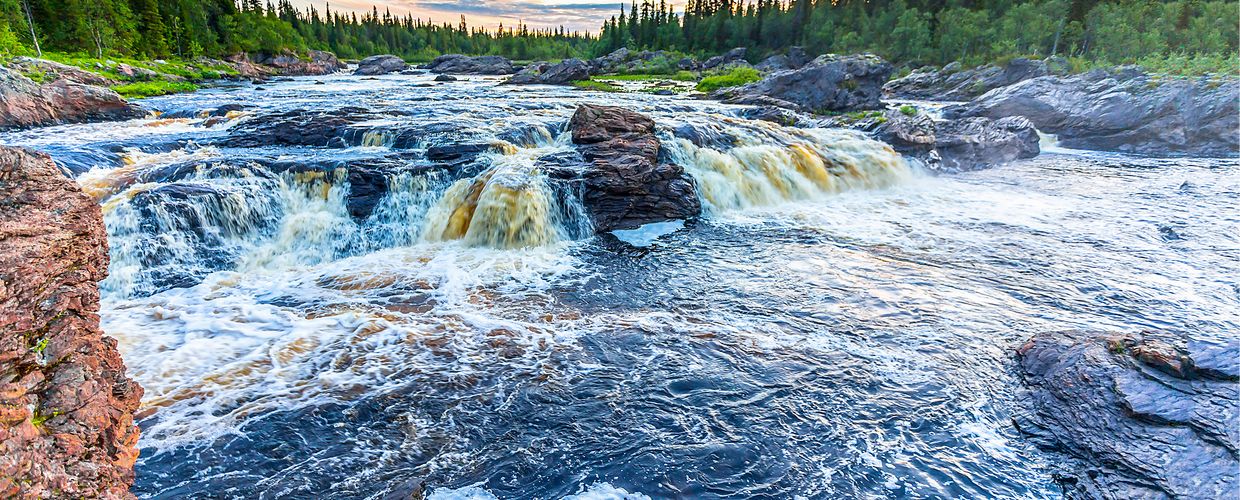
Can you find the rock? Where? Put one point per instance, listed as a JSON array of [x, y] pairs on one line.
[[795, 59], [954, 84], [625, 186], [732, 56], [1056, 65], [972, 143], [688, 64], [445, 78], [946, 145], [66, 406], [1136, 418], [465, 65], [299, 127], [827, 84], [24, 103], [564, 73], [60, 71], [380, 65], [317, 62], [247, 69], [1123, 110], [609, 63]]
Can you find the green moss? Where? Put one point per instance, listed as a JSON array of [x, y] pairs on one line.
[[908, 110], [40, 418], [596, 85], [40, 346], [734, 78], [153, 88]]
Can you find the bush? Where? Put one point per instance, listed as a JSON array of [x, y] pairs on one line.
[[596, 85], [734, 78], [153, 88]]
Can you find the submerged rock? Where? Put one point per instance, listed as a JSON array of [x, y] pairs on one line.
[[24, 103], [66, 406], [1124, 110], [380, 65], [1135, 413], [466, 65], [827, 84], [298, 127], [625, 184]]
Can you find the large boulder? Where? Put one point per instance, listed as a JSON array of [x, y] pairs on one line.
[[952, 83], [827, 84], [466, 65], [730, 57], [610, 63], [945, 145], [625, 184], [24, 103], [1124, 110], [1151, 415], [976, 143], [380, 65], [795, 59], [316, 62], [66, 406], [563, 73]]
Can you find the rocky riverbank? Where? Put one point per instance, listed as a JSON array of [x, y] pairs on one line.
[[66, 406], [1151, 415], [40, 92]]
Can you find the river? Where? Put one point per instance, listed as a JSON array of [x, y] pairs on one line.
[[839, 323]]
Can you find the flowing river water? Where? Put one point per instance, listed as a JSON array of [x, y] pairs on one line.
[[838, 324]]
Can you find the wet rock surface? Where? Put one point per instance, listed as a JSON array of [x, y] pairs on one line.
[[1124, 110], [563, 73], [466, 65], [625, 185], [66, 406], [729, 58], [945, 145], [827, 84], [1151, 415], [380, 65], [953, 83], [24, 103]]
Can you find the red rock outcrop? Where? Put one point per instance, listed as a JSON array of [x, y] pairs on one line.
[[66, 406], [625, 184], [24, 103]]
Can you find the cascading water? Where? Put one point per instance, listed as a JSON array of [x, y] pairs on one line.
[[411, 301]]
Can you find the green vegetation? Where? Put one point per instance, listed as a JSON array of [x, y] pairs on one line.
[[39, 418], [187, 29], [680, 76], [40, 346], [908, 110], [596, 85], [735, 77], [1172, 36], [153, 88]]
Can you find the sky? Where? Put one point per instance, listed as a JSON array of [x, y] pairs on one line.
[[579, 15]]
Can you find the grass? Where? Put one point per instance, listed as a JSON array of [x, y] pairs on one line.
[[153, 88], [734, 78], [680, 76], [908, 110], [596, 85]]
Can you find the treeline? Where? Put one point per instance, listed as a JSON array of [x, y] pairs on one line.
[[927, 31], [215, 28]]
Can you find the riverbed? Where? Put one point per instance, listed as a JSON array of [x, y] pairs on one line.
[[839, 323]]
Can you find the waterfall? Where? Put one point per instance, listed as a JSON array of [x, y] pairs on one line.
[[801, 164]]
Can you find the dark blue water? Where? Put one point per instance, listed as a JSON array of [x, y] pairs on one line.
[[854, 343]]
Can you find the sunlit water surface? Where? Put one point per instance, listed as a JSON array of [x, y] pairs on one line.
[[818, 334]]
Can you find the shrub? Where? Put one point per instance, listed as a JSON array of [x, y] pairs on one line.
[[596, 85], [735, 77], [153, 88]]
